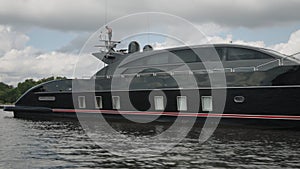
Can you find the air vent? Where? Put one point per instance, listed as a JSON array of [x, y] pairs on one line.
[[46, 98]]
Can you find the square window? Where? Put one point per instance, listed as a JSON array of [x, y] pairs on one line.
[[181, 103], [159, 102], [98, 102], [207, 104], [81, 102], [116, 102]]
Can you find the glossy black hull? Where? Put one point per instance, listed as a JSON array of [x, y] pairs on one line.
[[199, 122], [272, 100], [264, 107]]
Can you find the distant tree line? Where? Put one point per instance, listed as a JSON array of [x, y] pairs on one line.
[[10, 94]]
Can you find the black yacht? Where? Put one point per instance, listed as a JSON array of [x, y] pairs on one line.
[[261, 86]]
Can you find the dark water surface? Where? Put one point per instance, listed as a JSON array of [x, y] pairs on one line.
[[62, 144]]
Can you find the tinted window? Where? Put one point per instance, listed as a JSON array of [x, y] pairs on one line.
[[162, 58], [187, 56], [200, 54], [245, 54], [59, 85], [156, 59], [138, 62], [210, 54], [221, 52], [178, 56]]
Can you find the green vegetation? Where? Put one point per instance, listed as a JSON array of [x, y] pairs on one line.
[[9, 94]]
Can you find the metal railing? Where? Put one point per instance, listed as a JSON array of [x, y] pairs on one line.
[[268, 65], [244, 69], [261, 67]]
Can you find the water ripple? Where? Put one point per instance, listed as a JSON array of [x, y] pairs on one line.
[[62, 144]]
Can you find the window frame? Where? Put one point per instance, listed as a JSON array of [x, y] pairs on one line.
[[156, 105], [98, 104], [204, 108], [82, 104], [179, 107], [116, 105]]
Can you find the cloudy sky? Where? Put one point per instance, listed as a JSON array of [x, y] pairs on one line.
[[43, 38]]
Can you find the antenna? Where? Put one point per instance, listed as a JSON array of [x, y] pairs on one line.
[[105, 20], [148, 27]]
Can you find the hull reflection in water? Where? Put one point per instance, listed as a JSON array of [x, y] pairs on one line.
[[64, 144]]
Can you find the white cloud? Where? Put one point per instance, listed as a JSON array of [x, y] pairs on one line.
[[212, 17], [76, 44], [89, 14], [211, 40], [19, 61], [229, 39], [292, 46], [210, 29], [18, 65], [10, 39], [164, 45], [218, 39]]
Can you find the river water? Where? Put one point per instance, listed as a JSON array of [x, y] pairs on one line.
[[64, 144]]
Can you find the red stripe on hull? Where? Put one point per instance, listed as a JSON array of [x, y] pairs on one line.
[[183, 114]]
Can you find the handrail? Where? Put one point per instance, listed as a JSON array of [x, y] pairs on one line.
[[243, 68], [199, 71], [187, 72], [223, 70], [264, 64]]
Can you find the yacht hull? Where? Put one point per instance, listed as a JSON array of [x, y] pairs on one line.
[[273, 106]]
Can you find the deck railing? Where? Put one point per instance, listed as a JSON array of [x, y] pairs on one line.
[[269, 65], [262, 67]]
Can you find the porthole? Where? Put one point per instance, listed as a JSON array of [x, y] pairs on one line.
[[239, 99]]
